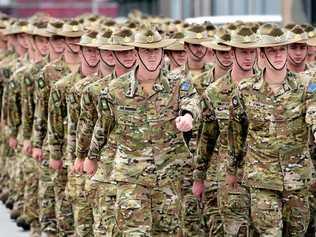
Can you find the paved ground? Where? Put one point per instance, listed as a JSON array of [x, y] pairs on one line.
[[8, 227]]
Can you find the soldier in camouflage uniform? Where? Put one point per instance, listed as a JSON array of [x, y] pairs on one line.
[[277, 107], [105, 197], [57, 122], [233, 204], [142, 108]]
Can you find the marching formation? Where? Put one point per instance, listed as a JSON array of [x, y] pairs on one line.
[[156, 127]]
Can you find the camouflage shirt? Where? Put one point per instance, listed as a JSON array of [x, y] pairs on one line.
[[277, 155], [43, 84], [149, 147], [57, 115]]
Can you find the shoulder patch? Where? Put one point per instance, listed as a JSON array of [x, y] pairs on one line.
[[311, 88], [185, 86], [235, 102], [41, 83], [55, 96]]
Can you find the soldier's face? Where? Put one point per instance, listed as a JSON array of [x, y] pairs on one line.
[[71, 44], [91, 55], [311, 54], [246, 58], [179, 56], [127, 58], [57, 43], [277, 56], [42, 44], [297, 53], [23, 40], [195, 52], [150, 57], [223, 58], [107, 57]]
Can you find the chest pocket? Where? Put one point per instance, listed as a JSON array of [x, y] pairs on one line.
[[165, 108], [128, 115], [259, 115]]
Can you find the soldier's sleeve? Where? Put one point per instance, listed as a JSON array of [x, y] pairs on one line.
[[41, 111], [27, 104], [14, 107], [237, 133], [87, 120], [56, 114], [73, 110], [189, 100], [104, 125], [208, 138], [311, 116]]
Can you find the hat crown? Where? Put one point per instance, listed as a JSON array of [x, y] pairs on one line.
[[104, 37], [89, 38], [297, 33], [273, 36], [72, 26], [196, 32], [147, 36], [123, 36], [244, 35], [55, 27]]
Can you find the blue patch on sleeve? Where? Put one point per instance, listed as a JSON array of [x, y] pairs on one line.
[[311, 87], [185, 86]]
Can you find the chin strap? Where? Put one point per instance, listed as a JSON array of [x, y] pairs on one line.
[[141, 60], [84, 57], [264, 52], [114, 53]]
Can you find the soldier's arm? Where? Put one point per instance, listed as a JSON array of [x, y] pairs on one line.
[[14, 107], [208, 139], [41, 111], [56, 114], [27, 105], [189, 100], [73, 110], [87, 120], [103, 127], [237, 133]]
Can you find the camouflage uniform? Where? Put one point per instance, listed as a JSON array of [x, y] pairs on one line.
[[82, 206], [233, 204], [147, 176], [57, 135], [105, 191], [43, 83], [278, 167]]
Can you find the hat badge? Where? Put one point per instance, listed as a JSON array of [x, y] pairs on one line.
[[247, 38], [75, 28], [199, 35], [311, 34], [150, 38], [127, 39]]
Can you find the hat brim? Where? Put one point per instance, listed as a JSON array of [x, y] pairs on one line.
[[241, 45], [279, 44], [312, 42], [195, 41], [155, 45], [75, 34], [216, 46], [116, 47], [175, 47], [48, 35], [87, 45]]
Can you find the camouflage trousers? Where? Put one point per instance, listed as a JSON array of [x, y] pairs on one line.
[[46, 199], [63, 206], [192, 221], [18, 182], [145, 211], [274, 212], [311, 231], [234, 206], [78, 191], [104, 210], [6, 154], [30, 172]]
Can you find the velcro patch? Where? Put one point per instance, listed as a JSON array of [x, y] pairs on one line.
[[311, 88], [185, 86]]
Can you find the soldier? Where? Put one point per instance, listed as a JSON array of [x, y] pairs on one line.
[[233, 204], [222, 61], [277, 107], [297, 52], [106, 64], [143, 107], [63, 44], [105, 197], [78, 184]]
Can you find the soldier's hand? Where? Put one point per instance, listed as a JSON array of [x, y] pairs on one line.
[[13, 142], [27, 148], [198, 189], [184, 123], [78, 166], [56, 164], [231, 181], [37, 154], [90, 166]]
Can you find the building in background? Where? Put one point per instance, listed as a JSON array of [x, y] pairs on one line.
[[290, 10]]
